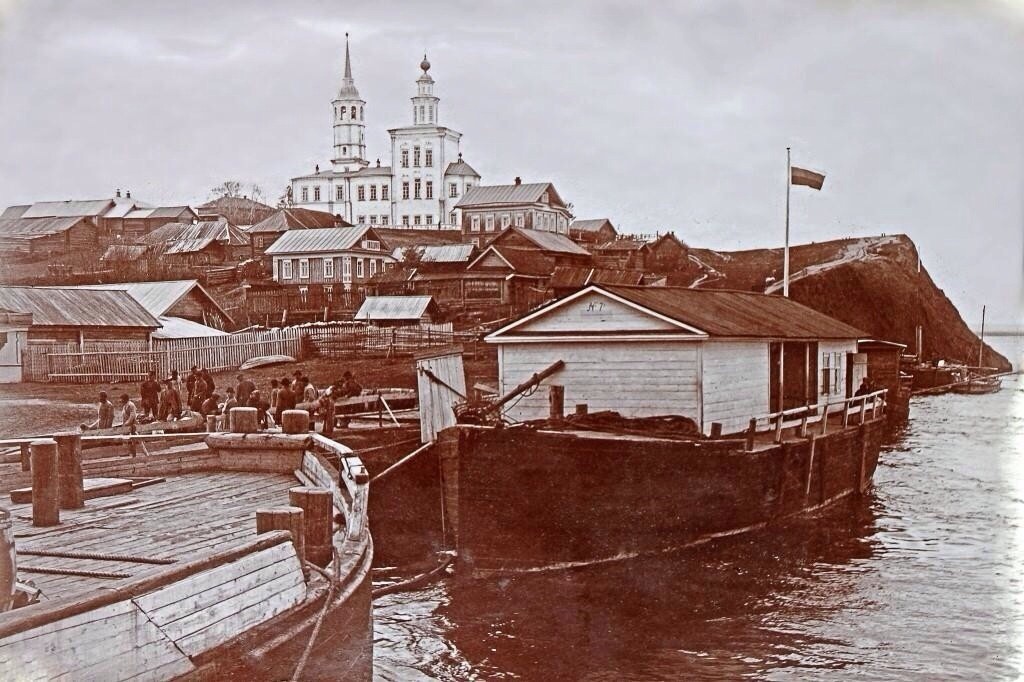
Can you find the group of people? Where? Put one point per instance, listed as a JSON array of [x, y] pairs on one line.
[[174, 399]]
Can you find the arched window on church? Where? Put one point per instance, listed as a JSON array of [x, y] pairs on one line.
[[422, 118], [340, 113], [361, 114], [431, 113], [353, 113]]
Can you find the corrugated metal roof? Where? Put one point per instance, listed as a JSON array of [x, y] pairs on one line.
[[621, 245], [738, 313], [31, 228], [123, 206], [589, 225], [460, 167], [546, 241], [482, 195], [192, 237], [125, 252], [178, 328], [323, 240], [394, 307], [439, 253], [71, 307], [157, 297], [170, 211], [14, 211], [63, 209], [296, 219]]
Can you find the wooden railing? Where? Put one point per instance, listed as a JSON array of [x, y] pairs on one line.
[[805, 415], [356, 479]]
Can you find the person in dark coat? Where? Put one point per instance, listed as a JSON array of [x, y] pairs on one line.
[[285, 399], [150, 392], [243, 389], [865, 388], [170, 402]]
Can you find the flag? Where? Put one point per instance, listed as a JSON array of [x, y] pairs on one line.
[[802, 176]]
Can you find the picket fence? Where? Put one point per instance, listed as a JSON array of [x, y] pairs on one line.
[[131, 361]]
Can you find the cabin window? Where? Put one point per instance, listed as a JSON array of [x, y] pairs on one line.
[[303, 268], [520, 220], [483, 289], [831, 373], [304, 294], [328, 268], [286, 269], [489, 223], [506, 221], [383, 192], [373, 267], [359, 268], [346, 269]]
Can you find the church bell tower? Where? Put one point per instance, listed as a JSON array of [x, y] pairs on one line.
[[349, 123]]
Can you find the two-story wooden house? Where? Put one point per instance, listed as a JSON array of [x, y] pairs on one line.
[[489, 209], [341, 258]]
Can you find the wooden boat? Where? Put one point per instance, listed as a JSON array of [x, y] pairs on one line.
[[552, 496], [171, 580], [978, 386], [266, 361]]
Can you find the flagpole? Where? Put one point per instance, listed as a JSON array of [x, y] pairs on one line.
[[785, 253]]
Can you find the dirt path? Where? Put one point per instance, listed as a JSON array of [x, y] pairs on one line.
[[859, 250]]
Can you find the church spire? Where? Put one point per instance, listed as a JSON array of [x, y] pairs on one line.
[[349, 121], [348, 61], [348, 84]]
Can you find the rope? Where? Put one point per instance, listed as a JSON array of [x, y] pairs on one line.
[[96, 555], [69, 571], [332, 586]]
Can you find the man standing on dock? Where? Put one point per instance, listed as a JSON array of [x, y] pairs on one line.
[[243, 389], [129, 413], [105, 414], [150, 392]]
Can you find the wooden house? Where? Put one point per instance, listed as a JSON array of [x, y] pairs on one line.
[[713, 356], [396, 311], [596, 231], [667, 253], [623, 253], [139, 222], [68, 314], [264, 233], [215, 242], [46, 237], [489, 209], [342, 257]]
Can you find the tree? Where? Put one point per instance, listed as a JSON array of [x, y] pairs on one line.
[[235, 188], [286, 199]]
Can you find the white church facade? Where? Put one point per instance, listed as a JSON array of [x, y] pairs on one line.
[[426, 179]]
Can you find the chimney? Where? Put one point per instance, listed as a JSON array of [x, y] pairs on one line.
[[519, 180], [118, 195], [128, 194], [378, 163], [317, 168]]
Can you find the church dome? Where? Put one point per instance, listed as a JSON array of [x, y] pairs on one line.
[[425, 65], [348, 90]]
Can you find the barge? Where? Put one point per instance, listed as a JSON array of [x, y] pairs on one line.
[[214, 557]]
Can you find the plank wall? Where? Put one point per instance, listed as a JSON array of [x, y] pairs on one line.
[[735, 383]]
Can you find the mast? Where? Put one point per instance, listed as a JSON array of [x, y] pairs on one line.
[[785, 253], [981, 342]]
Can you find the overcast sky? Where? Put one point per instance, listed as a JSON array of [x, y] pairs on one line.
[[658, 115]]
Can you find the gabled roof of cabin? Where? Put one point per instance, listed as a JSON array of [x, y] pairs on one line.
[[71, 307], [395, 308], [294, 218], [716, 313], [193, 237], [323, 240], [522, 193], [551, 242], [33, 228], [593, 225], [159, 297]]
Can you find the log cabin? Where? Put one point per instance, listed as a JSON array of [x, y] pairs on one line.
[[596, 231], [67, 314], [714, 356]]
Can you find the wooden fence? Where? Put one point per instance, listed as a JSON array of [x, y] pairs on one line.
[[131, 361]]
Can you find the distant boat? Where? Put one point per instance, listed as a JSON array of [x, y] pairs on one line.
[[266, 361], [979, 385]]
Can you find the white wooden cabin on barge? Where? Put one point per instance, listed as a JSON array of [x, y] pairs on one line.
[[712, 355]]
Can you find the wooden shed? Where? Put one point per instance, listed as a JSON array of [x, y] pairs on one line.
[[67, 314], [395, 311], [713, 356]]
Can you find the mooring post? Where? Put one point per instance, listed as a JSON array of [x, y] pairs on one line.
[[778, 428], [581, 410], [26, 458], [716, 429], [295, 421], [243, 420], [751, 431], [846, 414], [556, 402], [69, 467], [317, 506], [283, 518], [45, 483], [211, 423]]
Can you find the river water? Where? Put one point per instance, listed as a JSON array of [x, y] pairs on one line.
[[922, 581]]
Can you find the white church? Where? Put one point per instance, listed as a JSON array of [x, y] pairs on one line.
[[421, 186]]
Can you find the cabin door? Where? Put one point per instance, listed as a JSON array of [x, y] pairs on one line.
[[793, 374]]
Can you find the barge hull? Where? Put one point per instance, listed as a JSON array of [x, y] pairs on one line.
[[528, 500]]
